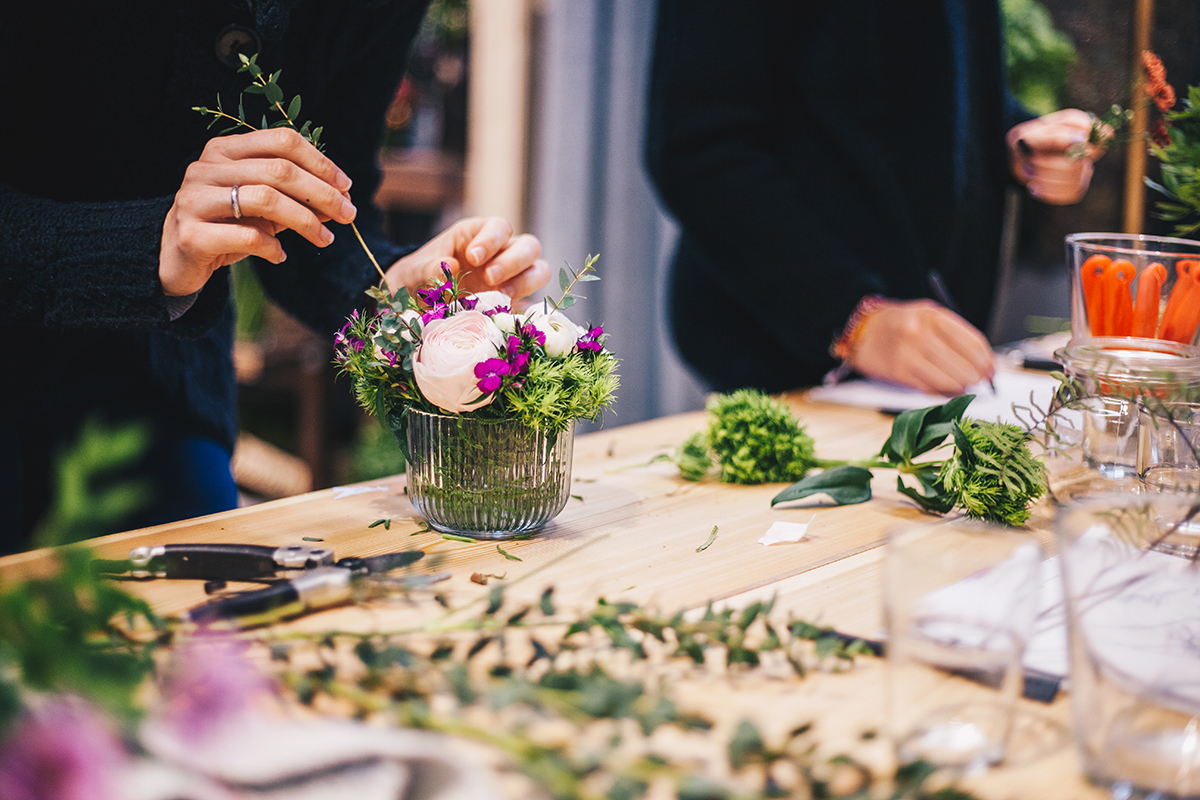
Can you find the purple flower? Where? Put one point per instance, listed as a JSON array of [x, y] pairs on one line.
[[591, 339], [437, 312], [468, 303], [491, 312], [211, 684], [518, 362], [533, 333], [491, 374], [61, 751]]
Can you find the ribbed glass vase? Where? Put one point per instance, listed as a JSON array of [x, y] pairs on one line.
[[486, 480]]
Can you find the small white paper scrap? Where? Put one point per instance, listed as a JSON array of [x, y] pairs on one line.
[[781, 532], [349, 491]]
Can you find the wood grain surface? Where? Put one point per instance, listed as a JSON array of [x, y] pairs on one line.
[[631, 532]]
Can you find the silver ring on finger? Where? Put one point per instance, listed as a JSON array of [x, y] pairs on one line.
[[233, 201]]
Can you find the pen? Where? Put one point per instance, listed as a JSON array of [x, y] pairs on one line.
[[942, 295]]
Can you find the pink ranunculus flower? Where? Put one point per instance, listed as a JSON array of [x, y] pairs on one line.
[[444, 363], [61, 751]]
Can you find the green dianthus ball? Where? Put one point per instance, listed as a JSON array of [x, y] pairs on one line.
[[757, 439]]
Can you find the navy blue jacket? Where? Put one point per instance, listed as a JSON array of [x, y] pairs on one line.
[[814, 153]]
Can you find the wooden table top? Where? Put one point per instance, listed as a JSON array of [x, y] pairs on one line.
[[631, 532]]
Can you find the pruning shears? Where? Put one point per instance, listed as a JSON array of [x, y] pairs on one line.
[[300, 578]]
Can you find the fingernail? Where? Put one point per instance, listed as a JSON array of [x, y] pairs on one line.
[[477, 254], [326, 235], [492, 274], [343, 183], [348, 210]]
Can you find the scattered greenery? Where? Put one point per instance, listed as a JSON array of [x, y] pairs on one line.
[[75, 633], [712, 537]]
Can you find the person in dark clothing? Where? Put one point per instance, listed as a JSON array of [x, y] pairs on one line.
[[827, 162], [120, 211]]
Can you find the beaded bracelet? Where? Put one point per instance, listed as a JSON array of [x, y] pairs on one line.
[[844, 345]]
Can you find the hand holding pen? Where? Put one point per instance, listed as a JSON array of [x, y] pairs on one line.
[[922, 344]]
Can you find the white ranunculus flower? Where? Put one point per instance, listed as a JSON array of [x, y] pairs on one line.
[[561, 333], [444, 363], [491, 299], [505, 322]]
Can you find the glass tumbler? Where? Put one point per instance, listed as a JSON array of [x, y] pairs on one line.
[[960, 599], [1132, 587]]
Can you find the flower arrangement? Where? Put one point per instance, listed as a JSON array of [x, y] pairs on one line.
[[448, 351]]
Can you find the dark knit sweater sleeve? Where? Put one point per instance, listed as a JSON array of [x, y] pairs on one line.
[[91, 266]]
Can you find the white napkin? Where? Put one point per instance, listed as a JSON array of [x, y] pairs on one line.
[[782, 532]]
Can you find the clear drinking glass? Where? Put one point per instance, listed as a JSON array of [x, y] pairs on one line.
[[1116, 373], [960, 599], [1168, 441], [485, 479], [1132, 589]]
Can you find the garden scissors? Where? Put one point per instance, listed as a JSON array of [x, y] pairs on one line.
[[347, 580]]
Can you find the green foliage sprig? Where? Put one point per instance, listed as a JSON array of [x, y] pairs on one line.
[[267, 85]]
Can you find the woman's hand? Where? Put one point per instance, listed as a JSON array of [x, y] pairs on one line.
[[924, 345], [485, 254], [283, 182], [1040, 151]]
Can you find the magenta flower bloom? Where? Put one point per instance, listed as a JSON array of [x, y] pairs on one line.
[[437, 312], [491, 374], [533, 333], [518, 362], [211, 684], [62, 751], [591, 339]]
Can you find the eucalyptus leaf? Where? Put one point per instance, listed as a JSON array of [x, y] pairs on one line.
[[564, 280], [274, 93], [293, 110], [847, 485]]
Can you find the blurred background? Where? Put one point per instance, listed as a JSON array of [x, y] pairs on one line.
[[534, 110]]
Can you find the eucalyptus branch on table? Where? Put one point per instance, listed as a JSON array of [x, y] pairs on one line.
[[268, 85], [527, 665], [601, 672]]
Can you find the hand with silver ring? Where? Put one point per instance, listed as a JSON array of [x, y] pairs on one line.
[[271, 180]]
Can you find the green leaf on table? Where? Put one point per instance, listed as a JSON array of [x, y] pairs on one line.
[[846, 485], [711, 538], [546, 604], [386, 523], [934, 499], [507, 554], [919, 430]]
